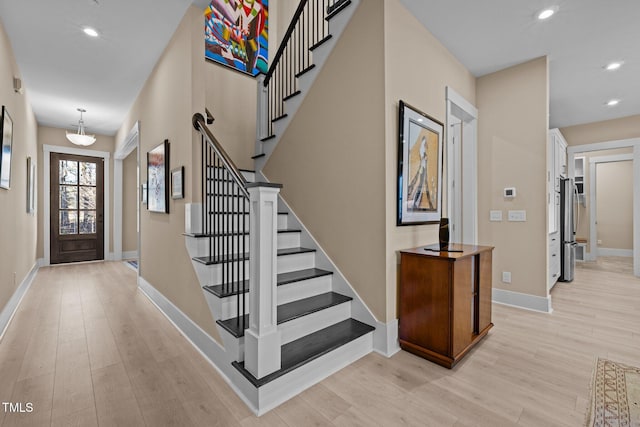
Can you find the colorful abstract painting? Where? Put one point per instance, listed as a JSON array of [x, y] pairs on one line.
[[236, 34]]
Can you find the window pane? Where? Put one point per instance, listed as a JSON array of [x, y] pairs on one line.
[[87, 197], [68, 197], [87, 222], [87, 173], [68, 222], [68, 172]]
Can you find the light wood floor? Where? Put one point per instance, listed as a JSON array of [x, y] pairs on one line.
[[87, 348]]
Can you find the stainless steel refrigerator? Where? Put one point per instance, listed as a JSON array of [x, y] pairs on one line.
[[567, 230]]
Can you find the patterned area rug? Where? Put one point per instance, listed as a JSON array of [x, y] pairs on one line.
[[615, 395]]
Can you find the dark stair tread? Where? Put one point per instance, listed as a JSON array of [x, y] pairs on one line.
[[222, 291], [279, 118], [306, 349], [240, 169], [320, 43], [336, 8], [203, 235], [300, 275], [267, 138], [257, 156], [290, 311], [294, 94], [306, 70], [220, 259]]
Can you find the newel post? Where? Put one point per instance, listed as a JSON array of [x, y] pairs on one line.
[[262, 339]]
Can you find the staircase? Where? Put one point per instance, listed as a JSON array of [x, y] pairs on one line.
[[313, 323]]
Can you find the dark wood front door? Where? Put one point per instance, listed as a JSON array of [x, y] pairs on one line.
[[77, 205]]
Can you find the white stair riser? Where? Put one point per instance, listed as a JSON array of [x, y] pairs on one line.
[[233, 346], [296, 262], [305, 325], [248, 176], [199, 247], [212, 274], [227, 307], [303, 289], [220, 223], [282, 221], [288, 240]]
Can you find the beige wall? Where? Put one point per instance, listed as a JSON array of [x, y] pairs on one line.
[[614, 206], [513, 106], [174, 91], [57, 137], [331, 158], [418, 68], [18, 230], [609, 130], [130, 202]]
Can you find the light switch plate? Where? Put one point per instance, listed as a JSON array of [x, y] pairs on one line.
[[495, 215], [518, 216]]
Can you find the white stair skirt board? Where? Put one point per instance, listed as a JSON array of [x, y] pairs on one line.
[[10, 309], [385, 338], [295, 382], [202, 341], [337, 25], [520, 300], [615, 252], [305, 325], [303, 289]]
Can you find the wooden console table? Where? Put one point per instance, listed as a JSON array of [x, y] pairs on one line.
[[444, 301]]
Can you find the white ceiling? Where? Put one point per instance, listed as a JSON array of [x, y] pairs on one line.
[[63, 69], [582, 37]]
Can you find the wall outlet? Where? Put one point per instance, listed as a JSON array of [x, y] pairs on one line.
[[519, 216], [495, 215], [599, 241], [506, 277]]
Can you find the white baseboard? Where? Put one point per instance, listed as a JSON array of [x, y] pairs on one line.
[[520, 300], [385, 338], [10, 309], [202, 341], [130, 255], [615, 252], [42, 262]]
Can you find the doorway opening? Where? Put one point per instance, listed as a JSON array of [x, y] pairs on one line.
[[462, 168]]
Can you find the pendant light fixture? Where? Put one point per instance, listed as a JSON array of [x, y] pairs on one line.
[[80, 138]]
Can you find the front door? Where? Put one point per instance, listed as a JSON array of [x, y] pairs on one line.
[[77, 204]]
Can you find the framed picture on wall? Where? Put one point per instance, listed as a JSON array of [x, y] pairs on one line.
[[158, 178], [31, 186], [419, 167], [177, 183], [6, 130], [236, 35]]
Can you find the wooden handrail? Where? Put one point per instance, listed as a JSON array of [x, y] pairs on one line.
[[200, 125], [285, 40]]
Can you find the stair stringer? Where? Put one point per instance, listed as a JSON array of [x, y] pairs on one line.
[[320, 55]]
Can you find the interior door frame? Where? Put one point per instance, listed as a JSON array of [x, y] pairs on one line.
[[48, 149], [131, 142], [458, 160], [608, 145]]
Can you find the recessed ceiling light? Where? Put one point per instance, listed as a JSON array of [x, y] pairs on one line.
[[613, 102], [90, 31], [613, 66], [547, 13]]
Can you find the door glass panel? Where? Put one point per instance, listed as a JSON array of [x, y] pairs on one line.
[[68, 197], [87, 173], [68, 172], [87, 197], [68, 222], [87, 222]]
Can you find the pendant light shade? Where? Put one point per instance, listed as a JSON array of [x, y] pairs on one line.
[[80, 138]]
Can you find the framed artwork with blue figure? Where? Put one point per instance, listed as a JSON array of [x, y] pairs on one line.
[[236, 34], [419, 167]]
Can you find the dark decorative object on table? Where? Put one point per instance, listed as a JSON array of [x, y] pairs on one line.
[[444, 234]]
